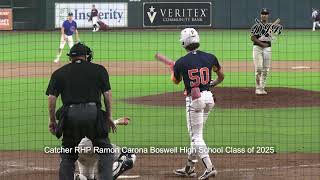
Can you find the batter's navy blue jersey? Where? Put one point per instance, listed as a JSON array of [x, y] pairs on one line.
[[196, 69]]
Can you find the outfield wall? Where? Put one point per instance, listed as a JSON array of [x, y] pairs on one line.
[[224, 14]]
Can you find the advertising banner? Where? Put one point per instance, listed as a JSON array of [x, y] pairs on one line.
[[113, 14], [170, 14], [5, 19]]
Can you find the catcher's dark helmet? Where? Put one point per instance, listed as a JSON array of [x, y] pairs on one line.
[[80, 49]]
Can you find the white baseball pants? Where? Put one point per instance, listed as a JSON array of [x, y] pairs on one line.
[[63, 41], [262, 64], [197, 112]]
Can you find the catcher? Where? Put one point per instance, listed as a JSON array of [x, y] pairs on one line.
[[88, 162]]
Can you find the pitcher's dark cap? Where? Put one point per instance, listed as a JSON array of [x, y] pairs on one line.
[[264, 11]]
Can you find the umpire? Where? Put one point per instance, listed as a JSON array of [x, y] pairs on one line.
[[80, 84]]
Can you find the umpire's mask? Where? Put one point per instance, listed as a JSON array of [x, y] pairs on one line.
[[80, 49]]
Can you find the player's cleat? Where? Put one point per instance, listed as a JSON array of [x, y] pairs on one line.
[[97, 29], [261, 92], [208, 173], [186, 173], [264, 92], [57, 60]]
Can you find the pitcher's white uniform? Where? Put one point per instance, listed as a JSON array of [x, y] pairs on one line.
[[262, 33], [262, 61], [94, 17], [316, 18]]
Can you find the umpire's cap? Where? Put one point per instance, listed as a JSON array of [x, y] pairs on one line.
[[264, 11], [80, 49], [70, 14]]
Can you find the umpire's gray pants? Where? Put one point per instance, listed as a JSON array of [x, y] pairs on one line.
[[81, 122]]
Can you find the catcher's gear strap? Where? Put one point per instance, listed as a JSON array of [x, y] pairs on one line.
[[122, 167]]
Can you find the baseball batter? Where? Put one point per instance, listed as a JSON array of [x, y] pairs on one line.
[[68, 27], [316, 18], [262, 33], [94, 18], [88, 162], [195, 69]]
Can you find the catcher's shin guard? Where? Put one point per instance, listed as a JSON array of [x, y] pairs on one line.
[[80, 177], [124, 163]]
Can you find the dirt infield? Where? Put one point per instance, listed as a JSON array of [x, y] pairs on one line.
[[117, 68], [18, 165], [240, 98]]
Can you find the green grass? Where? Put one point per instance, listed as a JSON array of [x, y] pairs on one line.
[[137, 46], [23, 116]]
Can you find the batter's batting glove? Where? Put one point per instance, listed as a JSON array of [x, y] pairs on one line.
[[213, 83]]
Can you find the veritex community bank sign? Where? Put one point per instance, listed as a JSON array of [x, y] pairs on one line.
[[170, 14]]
